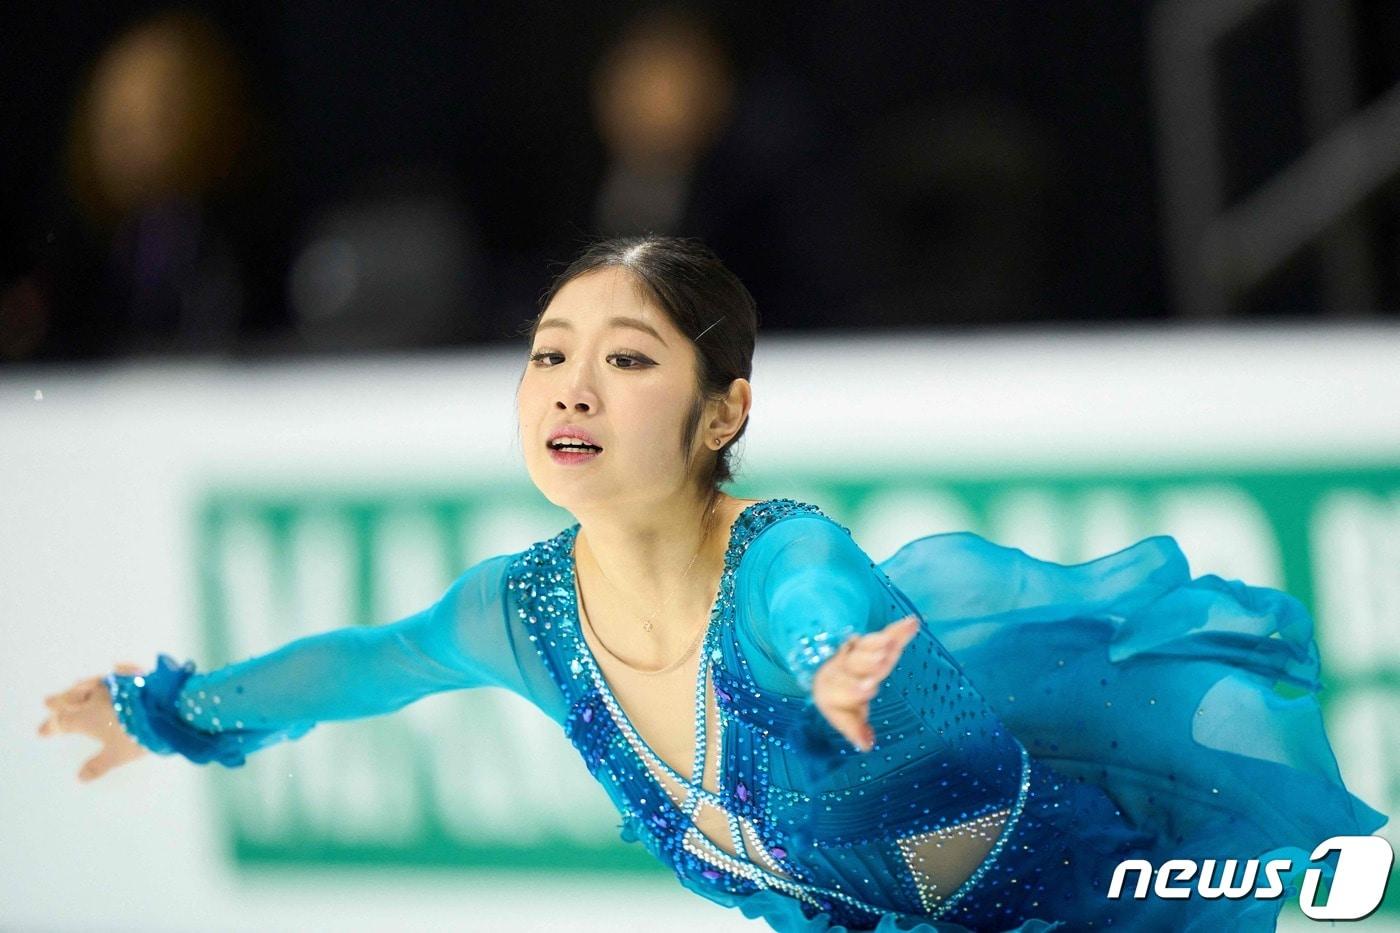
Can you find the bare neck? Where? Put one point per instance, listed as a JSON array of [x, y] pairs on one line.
[[660, 562]]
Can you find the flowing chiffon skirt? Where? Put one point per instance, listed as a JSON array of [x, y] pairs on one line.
[[1179, 714]]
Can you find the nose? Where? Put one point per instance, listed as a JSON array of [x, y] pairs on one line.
[[577, 394]]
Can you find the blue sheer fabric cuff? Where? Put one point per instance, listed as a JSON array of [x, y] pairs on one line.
[[126, 692], [147, 706], [810, 652]]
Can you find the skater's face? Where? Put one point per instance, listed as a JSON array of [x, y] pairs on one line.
[[606, 360]]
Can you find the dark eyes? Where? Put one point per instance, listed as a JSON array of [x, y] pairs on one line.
[[634, 361]]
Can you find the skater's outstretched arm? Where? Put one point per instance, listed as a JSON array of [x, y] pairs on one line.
[[222, 715]]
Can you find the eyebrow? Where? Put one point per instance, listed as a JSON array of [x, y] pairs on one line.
[[632, 322]]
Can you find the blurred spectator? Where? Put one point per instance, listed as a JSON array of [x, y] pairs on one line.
[[156, 251], [662, 95], [694, 146], [813, 146]]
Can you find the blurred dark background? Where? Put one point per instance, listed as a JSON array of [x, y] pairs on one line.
[[253, 179]]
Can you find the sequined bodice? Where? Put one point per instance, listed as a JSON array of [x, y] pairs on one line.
[[804, 810]]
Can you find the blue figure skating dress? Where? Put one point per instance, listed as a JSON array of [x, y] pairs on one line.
[[1045, 724]]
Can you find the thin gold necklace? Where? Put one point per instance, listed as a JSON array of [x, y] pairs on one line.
[[685, 655], [647, 625]]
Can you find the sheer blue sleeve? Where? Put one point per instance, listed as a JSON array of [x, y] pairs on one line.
[[463, 640], [805, 588]]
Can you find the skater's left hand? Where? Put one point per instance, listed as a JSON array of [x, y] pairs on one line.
[[844, 686]]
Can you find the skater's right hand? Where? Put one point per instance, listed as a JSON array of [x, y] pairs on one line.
[[846, 683], [86, 707]]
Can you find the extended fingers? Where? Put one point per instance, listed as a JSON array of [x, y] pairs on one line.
[[853, 725], [846, 684], [64, 706], [899, 633], [108, 758], [875, 655], [55, 724], [845, 702], [839, 687], [902, 630], [872, 661], [865, 658], [80, 692], [62, 701]]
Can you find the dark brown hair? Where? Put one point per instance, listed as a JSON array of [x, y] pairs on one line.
[[703, 299]]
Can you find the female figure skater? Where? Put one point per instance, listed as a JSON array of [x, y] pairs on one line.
[[960, 737]]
